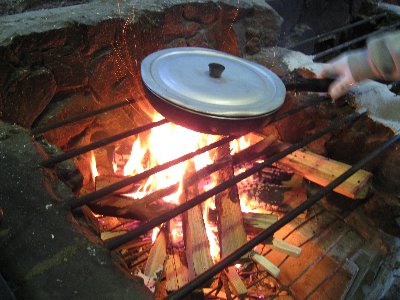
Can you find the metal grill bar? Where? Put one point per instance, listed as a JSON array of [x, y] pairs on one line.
[[337, 30], [43, 129], [220, 266], [300, 108], [70, 154], [318, 56], [118, 241], [109, 140], [130, 180]]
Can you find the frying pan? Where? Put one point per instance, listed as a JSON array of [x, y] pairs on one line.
[[213, 92]]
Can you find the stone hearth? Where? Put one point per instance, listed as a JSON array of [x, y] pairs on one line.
[[62, 61]]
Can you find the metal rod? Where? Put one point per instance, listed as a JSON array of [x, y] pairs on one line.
[[109, 140], [120, 240], [236, 159], [130, 180], [300, 108], [42, 129], [347, 44], [349, 26], [70, 154], [267, 233]]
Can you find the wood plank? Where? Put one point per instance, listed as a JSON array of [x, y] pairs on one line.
[[265, 263], [236, 282], [285, 247], [158, 253], [322, 171], [196, 241], [231, 230]]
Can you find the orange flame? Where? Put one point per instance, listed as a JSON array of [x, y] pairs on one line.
[[93, 166], [163, 144]]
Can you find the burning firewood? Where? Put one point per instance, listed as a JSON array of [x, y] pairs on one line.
[[231, 230], [124, 207], [102, 223], [196, 241]]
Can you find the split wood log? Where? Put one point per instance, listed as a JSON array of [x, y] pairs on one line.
[[158, 253], [231, 230], [124, 207], [176, 272], [285, 247], [257, 222], [322, 171], [265, 263], [236, 282], [196, 241]]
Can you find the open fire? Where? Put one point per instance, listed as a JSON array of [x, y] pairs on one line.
[[255, 229], [161, 145]]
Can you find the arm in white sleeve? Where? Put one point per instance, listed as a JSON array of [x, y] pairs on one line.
[[381, 59]]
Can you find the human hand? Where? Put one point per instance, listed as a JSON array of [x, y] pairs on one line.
[[338, 69]]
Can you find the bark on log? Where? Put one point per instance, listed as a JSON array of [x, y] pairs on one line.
[[124, 207], [196, 240], [231, 230]]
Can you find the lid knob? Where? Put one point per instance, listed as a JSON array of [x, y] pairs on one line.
[[215, 70]]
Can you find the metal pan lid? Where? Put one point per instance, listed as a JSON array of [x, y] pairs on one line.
[[183, 77]]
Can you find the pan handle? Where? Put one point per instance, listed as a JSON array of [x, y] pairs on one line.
[[301, 84], [307, 84]]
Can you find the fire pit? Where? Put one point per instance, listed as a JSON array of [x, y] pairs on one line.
[[187, 212]]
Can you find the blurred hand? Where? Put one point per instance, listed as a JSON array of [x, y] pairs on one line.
[[380, 60], [338, 69]]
